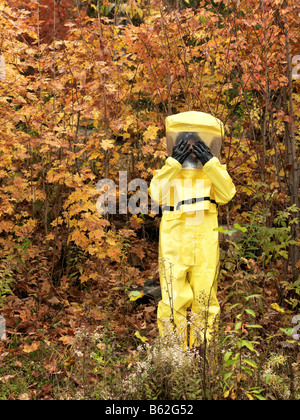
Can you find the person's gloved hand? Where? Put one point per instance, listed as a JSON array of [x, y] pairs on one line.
[[202, 152], [181, 151]]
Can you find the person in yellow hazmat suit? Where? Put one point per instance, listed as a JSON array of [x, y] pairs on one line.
[[189, 188]]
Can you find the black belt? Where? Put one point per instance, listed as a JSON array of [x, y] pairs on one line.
[[189, 201]]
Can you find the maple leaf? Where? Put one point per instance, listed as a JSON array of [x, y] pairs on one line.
[[115, 253], [151, 132], [138, 251], [107, 144], [136, 222], [29, 348]]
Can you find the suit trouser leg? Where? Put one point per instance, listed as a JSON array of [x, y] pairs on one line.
[[194, 289], [189, 279], [205, 308], [177, 297]]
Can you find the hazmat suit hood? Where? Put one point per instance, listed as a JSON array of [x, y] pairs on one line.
[[194, 125]]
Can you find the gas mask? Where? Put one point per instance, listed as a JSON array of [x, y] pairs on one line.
[[193, 126]]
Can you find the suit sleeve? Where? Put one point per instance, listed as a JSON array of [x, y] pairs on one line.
[[160, 184], [223, 187]]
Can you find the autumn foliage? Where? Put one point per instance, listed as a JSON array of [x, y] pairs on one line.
[[87, 87]]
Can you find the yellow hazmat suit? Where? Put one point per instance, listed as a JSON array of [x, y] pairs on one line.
[[188, 243]]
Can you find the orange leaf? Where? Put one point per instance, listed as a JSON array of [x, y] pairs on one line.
[[136, 222]]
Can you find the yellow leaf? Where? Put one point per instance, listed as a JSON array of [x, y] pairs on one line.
[[135, 295], [151, 133], [84, 278], [226, 393], [111, 241], [29, 348], [50, 237], [141, 337], [277, 308], [107, 144]]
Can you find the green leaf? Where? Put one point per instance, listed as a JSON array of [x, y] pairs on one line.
[[246, 343], [268, 378], [287, 331], [238, 325], [227, 356], [247, 370], [228, 375], [256, 392], [251, 363], [250, 312], [253, 296], [260, 397], [221, 229], [239, 227], [231, 232], [253, 326], [230, 363]]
